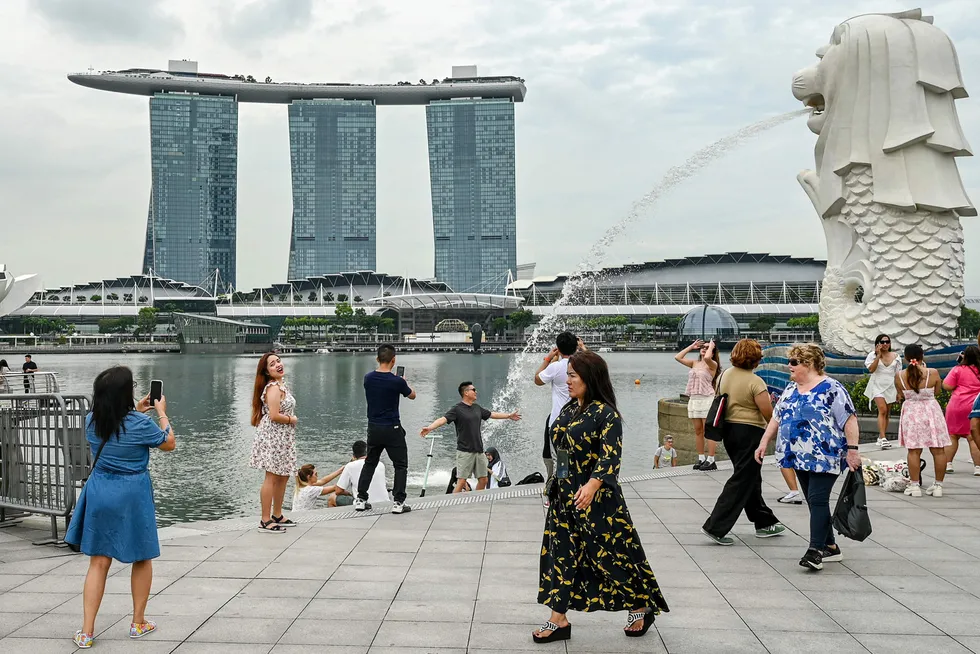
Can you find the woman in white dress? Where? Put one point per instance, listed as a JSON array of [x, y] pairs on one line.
[[884, 365]]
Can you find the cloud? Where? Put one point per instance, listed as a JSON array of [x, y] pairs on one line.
[[97, 21], [265, 19]]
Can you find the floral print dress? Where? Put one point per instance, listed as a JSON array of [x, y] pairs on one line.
[[274, 447], [811, 426], [592, 559]]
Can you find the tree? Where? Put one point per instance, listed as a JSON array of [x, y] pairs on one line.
[[146, 321], [342, 297], [762, 324], [116, 325], [328, 297], [311, 297], [113, 296], [969, 321], [357, 298], [521, 319], [499, 326], [53, 298], [805, 322], [127, 297], [80, 298], [143, 299], [96, 298]]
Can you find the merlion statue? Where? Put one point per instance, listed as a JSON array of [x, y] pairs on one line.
[[886, 186]]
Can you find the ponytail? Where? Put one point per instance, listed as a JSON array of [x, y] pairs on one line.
[[303, 477], [914, 356]]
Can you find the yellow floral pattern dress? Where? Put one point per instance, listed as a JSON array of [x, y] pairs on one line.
[[592, 560]]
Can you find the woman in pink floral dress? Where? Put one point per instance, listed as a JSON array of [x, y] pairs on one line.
[[922, 423], [274, 448]]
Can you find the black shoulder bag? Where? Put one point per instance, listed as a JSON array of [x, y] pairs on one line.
[[72, 546], [851, 514], [714, 424]]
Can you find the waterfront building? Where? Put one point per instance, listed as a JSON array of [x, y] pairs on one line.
[[332, 156], [473, 186], [191, 228]]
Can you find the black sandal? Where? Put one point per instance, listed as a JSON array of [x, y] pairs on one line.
[[275, 529], [634, 616], [283, 521], [557, 633]]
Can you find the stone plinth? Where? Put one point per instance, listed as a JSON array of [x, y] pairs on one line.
[[672, 420]]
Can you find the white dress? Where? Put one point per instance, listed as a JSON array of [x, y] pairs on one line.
[[882, 382]]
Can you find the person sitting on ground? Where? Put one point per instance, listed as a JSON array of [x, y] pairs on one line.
[[497, 469], [309, 487], [666, 455], [347, 485], [468, 417]]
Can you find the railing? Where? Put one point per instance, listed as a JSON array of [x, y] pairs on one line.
[[35, 382], [44, 455]]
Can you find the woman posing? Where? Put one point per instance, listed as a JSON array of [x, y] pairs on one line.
[[591, 556], [701, 392], [883, 364], [309, 487], [746, 415], [115, 517], [964, 381], [922, 424], [817, 431], [274, 447]]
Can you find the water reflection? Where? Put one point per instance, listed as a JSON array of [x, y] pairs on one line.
[[209, 402]]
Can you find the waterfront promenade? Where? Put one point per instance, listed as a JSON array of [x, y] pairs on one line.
[[459, 574]]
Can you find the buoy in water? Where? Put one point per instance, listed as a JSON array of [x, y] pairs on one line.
[[636, 381]]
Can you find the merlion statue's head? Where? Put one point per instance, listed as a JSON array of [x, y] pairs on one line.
[[883, 96]]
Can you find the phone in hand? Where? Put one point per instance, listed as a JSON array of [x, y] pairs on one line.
[[156, 390], [400, 371]]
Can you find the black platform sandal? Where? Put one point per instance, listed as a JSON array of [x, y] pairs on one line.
[[283, 521], [648, 619], [271, 527], [557, 633]]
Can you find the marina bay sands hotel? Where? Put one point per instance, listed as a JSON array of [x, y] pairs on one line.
[[191, 228]]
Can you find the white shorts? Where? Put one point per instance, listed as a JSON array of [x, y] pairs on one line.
[[698, 405]]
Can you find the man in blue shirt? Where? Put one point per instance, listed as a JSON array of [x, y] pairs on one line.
[[383, 389]]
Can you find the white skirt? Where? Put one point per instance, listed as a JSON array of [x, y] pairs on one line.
[[698, 406]]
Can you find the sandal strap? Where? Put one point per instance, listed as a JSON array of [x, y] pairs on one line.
[[549, 626], [273, 527], [635, 616]]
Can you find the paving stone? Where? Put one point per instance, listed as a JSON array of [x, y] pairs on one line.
[[360, 589], [341, 609], [511, 638], [335, 632], [954, 624], [430, 611], [11, 622], [299, 588], [172, 628], [782, 619], [204, 587], [53, 625], [241, 630], [888, 644], [787, 642], [228, 569], [62, 645], [370, 573], [423, 634], [226, 648], [244, 606], [18, 602]]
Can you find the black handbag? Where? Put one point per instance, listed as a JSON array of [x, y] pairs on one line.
[[714, 423], [72, 546], [851, 518]]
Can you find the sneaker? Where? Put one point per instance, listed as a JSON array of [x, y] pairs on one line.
[[936, 490], [949, 467], [768, 532], [140, 629], [83, 641], [720, 540], [792, 497], [361, 505], [884, 444], [831, 556], [812, 559], [976, 471], [697, 466], [400, 507], [915, 490], [708, 466]]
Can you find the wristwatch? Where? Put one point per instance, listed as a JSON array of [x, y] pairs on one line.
[[852, 447]]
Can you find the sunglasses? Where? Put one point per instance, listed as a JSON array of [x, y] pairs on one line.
[[885, 342], [794, 362]]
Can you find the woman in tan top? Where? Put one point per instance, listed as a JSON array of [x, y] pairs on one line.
[[746, 415]]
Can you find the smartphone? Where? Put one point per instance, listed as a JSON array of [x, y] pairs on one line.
[[561, 466], [156, 390], [400, 371]]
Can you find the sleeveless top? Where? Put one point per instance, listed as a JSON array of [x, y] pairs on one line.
[[699, 382]]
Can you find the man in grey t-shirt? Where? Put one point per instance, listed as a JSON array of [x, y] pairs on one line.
[[468, 416]]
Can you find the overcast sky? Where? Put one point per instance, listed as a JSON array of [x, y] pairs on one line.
[[618, 91]]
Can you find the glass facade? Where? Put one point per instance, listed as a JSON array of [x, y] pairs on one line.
[[332, 147], [192, 221], [474, 207], [708, 322]]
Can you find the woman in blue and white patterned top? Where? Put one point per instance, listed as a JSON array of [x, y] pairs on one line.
[[818, 432]]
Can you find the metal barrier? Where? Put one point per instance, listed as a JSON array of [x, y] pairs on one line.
[[43, 455], [26, 383]]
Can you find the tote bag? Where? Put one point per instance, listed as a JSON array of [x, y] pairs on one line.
[[714, 424], [851, 518]]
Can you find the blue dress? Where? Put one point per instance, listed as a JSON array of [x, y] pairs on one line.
[[115, 515], [811, 427]]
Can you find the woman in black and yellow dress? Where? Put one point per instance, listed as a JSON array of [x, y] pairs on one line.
[[591, 556]]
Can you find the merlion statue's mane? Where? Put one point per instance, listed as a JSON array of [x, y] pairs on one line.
[[893, 79]]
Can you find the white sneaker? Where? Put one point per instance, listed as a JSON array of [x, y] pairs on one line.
[[936, 490], [361, 505], [400, 507], [884, 444], [976, 471], [949, 467], [792, 497], [915, 490]]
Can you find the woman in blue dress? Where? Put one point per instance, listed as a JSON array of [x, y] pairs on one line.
[[115, 517]]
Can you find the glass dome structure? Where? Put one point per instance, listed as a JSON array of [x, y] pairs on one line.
[[707, 322]]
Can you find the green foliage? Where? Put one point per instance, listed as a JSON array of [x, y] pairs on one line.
[[344, 310], [122, 325], [80, 298], [969, 322], [311, 297], [342, 297], [96, 298], [521, 319], [146, 321], [804, 322], [35, 325], [762, 324], [856, 390]]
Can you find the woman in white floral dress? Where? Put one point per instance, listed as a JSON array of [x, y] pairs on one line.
[[274, 448]]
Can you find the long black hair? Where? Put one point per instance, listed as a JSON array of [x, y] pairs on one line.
[[971, 356], [594, 372], [913, 356], [3, 363], [112, 400]]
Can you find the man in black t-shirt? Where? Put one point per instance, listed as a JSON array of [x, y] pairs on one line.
[[29, 368], [468, 416], [383, 389]]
